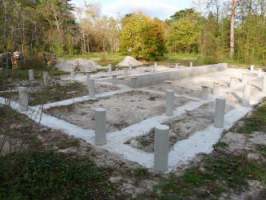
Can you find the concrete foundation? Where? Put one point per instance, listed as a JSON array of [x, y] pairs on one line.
[[100, 126], [264, 84], [170, 98], [91, 87], [246, 95], [205, 92], [45, 76], [161, 148], [175, 74], [219, 112], [23, 98], [31, 75]]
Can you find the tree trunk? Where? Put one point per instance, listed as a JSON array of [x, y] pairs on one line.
[[232, 28]]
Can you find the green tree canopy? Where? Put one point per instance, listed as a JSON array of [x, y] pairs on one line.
[[184, 31], [142, 37]]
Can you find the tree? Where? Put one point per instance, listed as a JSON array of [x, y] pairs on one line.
[[142, 37], [232, 28], [184, 31], [209, 40]]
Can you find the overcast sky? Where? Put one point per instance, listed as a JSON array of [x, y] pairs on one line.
[[155, 8]]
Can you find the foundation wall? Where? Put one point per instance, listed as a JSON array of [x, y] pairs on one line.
[[158, 77]]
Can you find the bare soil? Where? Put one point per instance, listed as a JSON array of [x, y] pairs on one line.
[[123, 110]]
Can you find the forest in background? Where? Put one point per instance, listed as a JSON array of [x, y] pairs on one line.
[[222, 30]]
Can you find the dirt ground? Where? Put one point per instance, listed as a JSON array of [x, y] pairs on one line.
[[123, 110]]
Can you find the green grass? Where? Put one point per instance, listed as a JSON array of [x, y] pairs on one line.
[[219, 173], [100, 57], [261, 149], [256, 122], [49, 175], [38, 173], [57, 93], [181, 58]]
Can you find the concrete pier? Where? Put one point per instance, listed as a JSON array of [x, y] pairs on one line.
[[45, 77], [114, 79], [31, 75], [205, 92], [170, 98], [100, 126], [91, 87], [161, 148], [219, 112], [110, 68], [23, 98], [264, 83], [246, 95]]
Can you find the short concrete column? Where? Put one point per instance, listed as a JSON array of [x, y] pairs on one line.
[[155, 67], [191, 64], [100, 126], [205, 92], [130, 67], [264, 83], [72, 75], [110, 68], [23, 98], [91, 87], [219, 113], [126, 72], [31, 75], [231, 83], [161, 148], [252, 68], [134, 82], [45, 77], [170, 99], [246, 95], [217, 91], [260, 73], [114, 79]]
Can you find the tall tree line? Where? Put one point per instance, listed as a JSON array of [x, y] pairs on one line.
[[231, 29]]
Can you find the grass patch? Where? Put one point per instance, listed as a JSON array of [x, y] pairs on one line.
[[49, 175], [58, 92], [261, 149], [140, 172], [220, 145], [256, 122], [218, 174], [101, 58]]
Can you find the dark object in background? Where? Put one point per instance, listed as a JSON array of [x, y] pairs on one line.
[[6, 60]]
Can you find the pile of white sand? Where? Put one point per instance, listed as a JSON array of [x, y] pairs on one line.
[[129, 61], [79, 65]]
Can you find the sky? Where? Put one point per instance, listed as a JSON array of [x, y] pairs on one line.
[[156, 8]]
